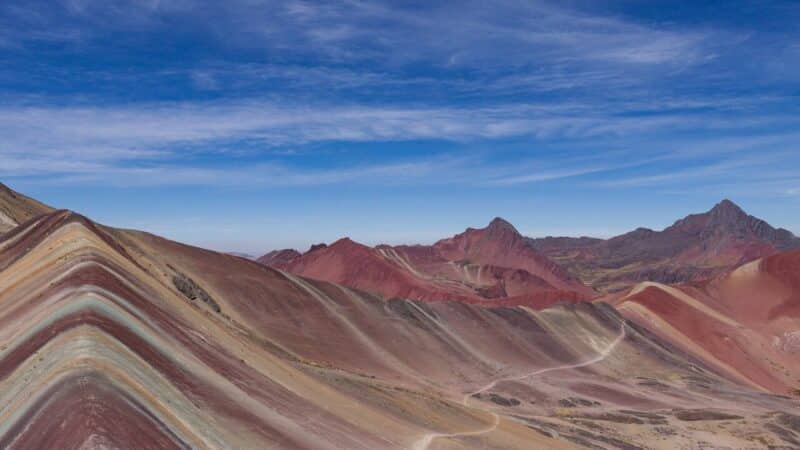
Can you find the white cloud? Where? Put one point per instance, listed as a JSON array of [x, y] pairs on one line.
[[137, 131], [547, 175], [254, 175], [155, 143], [342, 30], [745, 167], [249, 176]]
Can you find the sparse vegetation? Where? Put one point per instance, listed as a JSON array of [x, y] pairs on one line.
[[703, 414]]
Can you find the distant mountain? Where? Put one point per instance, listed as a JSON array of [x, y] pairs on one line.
[[279, 257], [698, 246], [501, 245], [494, 264], [16, 208]]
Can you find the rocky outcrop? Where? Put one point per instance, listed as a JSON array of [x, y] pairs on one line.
[[193, 292]]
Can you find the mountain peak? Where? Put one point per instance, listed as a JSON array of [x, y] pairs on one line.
[[343, 243], [730, 216], [726, 218], [725, 215], [279, 258], [727, 207], [315, 247], [498, 224]]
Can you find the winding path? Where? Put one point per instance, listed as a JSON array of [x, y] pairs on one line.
[[427, 439]]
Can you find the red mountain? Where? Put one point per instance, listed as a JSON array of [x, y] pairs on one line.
[[744, 323], [500, 244], [494, 264], [696, 247]]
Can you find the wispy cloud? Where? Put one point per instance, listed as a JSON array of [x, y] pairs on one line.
[[434, 170], [747, 167], [134, 131], [464, 35], [260, 175], [470, 35], [156, 143], [547, 175]]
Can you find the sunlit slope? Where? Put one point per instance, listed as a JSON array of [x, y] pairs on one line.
[[745, 323], [120, 339], [101, 349], [16, 208]]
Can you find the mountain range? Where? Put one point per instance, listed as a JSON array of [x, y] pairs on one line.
[[696, 247], [493, 264], [498, 265], [114, 338]]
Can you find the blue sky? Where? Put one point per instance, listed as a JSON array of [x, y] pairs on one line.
[[248, 125]]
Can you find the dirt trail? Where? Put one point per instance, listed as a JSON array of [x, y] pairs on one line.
[[427, 439]]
